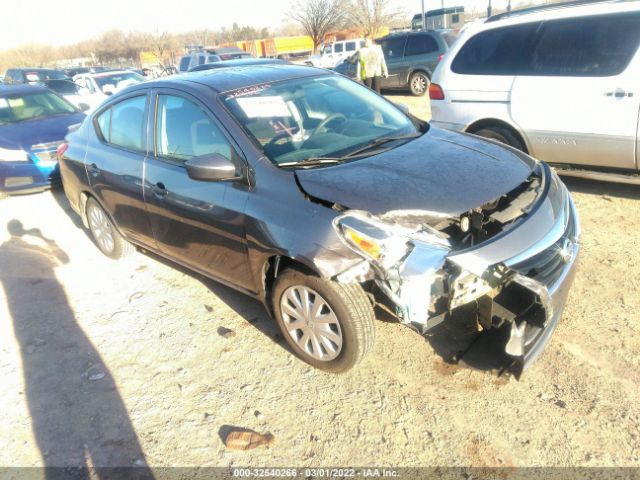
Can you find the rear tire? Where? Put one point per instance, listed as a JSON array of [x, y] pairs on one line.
[[327, 324], [419, 84], [502, 135], [104, 233]]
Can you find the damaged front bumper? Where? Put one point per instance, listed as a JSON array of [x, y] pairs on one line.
[[518, 280]]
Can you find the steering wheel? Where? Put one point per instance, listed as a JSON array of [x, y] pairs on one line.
[[327, 120], [276, 140]]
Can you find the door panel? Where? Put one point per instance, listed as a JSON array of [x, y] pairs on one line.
[[200, 224], [393, 49], [578, 103], [115, 171]]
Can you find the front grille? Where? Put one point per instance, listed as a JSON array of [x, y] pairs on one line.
[[547, 266]]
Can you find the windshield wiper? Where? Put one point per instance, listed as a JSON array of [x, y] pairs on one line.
[[312, 162], [380, 141]]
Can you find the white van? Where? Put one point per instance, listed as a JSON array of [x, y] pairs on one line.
[[331, 54], [561, 83]]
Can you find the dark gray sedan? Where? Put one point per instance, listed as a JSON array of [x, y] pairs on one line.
[[322, 199]]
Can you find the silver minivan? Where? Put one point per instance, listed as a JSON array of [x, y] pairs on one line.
[[560, 83]]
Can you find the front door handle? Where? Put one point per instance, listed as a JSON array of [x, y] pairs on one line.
[[93, 170], [159, 190]]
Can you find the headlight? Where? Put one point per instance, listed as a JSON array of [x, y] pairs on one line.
[[386, 244], [7, 155]]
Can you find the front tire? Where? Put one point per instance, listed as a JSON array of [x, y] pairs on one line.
[[327, 324], [418, 83], [105, 235], [502, 135]]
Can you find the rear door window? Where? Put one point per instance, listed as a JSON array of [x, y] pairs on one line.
[[420, 44], [184, 63], [587, 46], [338, 48], [351, 46], [393, 47], [123, 125]]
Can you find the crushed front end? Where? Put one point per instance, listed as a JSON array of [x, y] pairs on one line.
[[513, 260]]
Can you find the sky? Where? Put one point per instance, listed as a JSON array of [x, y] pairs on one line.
[[62, 22]]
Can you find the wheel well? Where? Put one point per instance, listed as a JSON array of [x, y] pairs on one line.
[[274, 266], [419, 70], [493, 122]]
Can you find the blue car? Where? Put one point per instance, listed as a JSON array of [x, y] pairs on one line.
[[33, 123]]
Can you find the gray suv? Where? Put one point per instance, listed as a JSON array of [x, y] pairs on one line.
[[411, 59]]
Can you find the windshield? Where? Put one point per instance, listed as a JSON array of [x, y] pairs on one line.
[[63, 87], [314, 117], [118, 80], [20, 107]]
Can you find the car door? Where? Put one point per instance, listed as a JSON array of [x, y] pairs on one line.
[[393, 49], [199, 224], [114, 163], [579, 102], [421, 53]]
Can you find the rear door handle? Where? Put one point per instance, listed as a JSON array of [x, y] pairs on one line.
[[159, 190], [93, 170]]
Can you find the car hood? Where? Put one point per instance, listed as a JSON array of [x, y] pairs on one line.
[[442, 172], [23, 135]]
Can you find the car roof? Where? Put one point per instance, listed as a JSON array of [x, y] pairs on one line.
[[106, 73], [232, 78], [21, 88], [562, 10], [410, 32], [35, 69], [239, 62]]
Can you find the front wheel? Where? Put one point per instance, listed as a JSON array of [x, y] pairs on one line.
[[327, 324], [418, 83], [501, 135], [104, 233]]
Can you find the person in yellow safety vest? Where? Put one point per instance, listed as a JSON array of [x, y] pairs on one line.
[[370, 65]]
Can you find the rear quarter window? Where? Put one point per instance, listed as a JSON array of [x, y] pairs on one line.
[[420, 44], [499, 51]]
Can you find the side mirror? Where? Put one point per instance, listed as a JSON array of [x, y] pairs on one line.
[[402, 107], [83, 107], [108, 89], [212, 168]]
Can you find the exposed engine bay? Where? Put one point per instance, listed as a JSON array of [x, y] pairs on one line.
[[427, 265]]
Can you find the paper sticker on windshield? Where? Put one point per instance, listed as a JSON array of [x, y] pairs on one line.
[[32, 77], [264, 107], [4, 103]]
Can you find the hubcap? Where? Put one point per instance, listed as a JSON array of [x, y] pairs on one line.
[[419, 83], [101, 229], [310, 323]]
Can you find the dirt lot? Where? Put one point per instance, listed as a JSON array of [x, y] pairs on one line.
[[121, 363]]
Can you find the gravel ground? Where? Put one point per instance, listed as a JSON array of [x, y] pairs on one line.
[[124, 363]]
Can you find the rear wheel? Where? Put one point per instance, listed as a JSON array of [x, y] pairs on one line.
[[327, 324], [419, 83], [502, 135], [104, 233]]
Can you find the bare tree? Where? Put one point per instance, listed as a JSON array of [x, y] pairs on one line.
[[370, 16], [317, 17], [162, 45]]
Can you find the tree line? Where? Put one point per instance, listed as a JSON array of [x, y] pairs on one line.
[[315, 18]]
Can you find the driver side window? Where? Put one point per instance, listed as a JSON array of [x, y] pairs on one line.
[[184, 131]]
